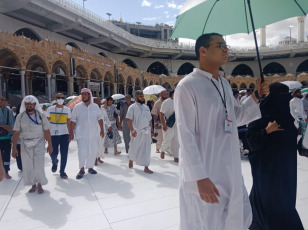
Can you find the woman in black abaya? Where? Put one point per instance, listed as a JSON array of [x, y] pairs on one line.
[[273, 158]]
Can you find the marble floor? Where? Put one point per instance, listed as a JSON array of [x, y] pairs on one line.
[[117, 198]]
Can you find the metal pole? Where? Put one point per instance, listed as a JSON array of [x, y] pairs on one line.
[[256, 42]]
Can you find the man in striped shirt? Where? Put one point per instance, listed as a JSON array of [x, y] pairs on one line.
[[59, 117]]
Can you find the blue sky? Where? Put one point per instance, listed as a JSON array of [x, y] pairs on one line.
[[148, 12]]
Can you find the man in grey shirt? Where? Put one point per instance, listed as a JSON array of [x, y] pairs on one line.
[[125, 128]]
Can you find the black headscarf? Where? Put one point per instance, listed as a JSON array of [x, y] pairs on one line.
[[276, 106]]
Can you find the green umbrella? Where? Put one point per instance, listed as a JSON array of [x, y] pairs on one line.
[[234, 16], [304, 90]]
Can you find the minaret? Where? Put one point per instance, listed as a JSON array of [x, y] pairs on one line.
[[300, 28], [263, 36]]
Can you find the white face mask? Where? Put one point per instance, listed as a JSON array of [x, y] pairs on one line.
[[60, 101]]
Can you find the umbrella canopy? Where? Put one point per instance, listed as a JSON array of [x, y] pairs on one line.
[[117, 96], [237, 16], [153, 89], [70, 98], [292, 84], [46, 104], [74, 102], [304, 90]]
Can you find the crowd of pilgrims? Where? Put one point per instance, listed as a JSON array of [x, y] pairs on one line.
[[95, 124]]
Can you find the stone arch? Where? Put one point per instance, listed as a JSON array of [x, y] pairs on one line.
[[29, 33], [185, 69], [158, 68], [145, 83], [274, 68], [60, 82], [74, 45], [121, 84], [156, 83], [252, 86], [303, 67], [95, 78], [242, 70], [167, 85], [129, 85], [151, 83], [11, 74], [129, 62], [80, 79], [102, 54], [37, 80], [108, 84], [95, 75], [234, 86], [243, 86], [138, 84]]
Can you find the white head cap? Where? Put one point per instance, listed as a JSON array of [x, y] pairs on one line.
[[30, 99]]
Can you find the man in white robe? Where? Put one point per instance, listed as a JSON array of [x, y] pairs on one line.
[[139, 122], [170, 134], [297, 107], [86, 120], [32, 126], [107, 126], [212, 191]]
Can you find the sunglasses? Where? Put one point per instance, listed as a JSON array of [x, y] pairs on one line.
[[60, 97]]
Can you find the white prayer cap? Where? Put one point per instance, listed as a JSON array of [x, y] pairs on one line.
[[103, 100], [243, 91], [30, 99]]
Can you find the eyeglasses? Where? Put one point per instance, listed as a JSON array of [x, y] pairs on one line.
[[223, 46], [60, 97]]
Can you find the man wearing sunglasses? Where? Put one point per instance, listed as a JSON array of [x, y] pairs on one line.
[[59, 117]]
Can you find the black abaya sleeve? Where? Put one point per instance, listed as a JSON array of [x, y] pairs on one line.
[[257, 137]]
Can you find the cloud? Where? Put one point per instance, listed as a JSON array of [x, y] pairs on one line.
[[159, 6], [151, 18], [166, 12], [146, 3], [171, 5], [180, 7]]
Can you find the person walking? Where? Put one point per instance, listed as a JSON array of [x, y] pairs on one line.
[[6, 126], [86, 119], [59, 117], [32, 127], [123, 121]]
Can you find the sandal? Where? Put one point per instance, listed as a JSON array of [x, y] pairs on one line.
[[63, 176], [92, 171], [80, 174], [54, 167]]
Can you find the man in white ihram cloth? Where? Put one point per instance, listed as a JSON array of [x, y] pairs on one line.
[[87, 118], [212, 191], [32, 126], [139, 121]]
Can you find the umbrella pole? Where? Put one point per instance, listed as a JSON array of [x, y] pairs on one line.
[[256, 42]]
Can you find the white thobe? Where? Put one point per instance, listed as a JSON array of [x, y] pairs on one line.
[[297, 110], [207, 151], [140, 146], [170, 137], [86, 130], [100, 140], [243, 99]]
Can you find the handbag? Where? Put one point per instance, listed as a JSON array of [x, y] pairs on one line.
[[301, 150], [170, 120], [3, 131]]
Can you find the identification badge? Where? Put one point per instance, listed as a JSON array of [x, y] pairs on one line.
[[228, 126], [57, 132]]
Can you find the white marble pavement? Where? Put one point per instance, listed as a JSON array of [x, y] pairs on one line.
[[117, 198]]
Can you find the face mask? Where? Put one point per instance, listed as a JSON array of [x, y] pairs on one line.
[[60, 101]]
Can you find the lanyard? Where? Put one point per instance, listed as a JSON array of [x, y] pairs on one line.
[[57, 119], [34, 121], [223, 99]]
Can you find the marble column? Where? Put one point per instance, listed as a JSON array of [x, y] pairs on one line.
[[71, 85], [49, 86], [115, 86], [102, 90], [125, 90], [88, 83], [263, 36], [108, 95], [23, 83], [54, 89]]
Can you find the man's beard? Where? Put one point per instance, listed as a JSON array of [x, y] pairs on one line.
[[141, 101], [300, 96], [86, 100], [164, 98], [29, 110]]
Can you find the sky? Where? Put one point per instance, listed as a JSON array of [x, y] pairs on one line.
[[151, 12]]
